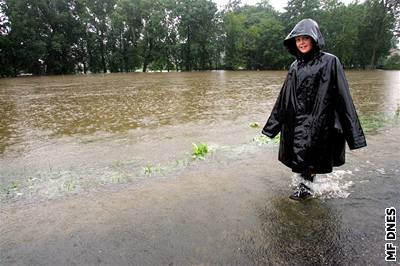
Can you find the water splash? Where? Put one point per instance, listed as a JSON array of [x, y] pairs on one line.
[[381, 171], [333, 185]]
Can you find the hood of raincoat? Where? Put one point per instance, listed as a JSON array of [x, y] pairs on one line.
[[305, 27]]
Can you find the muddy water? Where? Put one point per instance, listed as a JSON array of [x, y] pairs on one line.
[[103, 128], [126, 140], [79, 124]]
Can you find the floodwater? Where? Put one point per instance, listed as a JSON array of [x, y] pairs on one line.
[[98, 169]]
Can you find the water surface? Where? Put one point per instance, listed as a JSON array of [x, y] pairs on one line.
[[133, 132], [79, 123]]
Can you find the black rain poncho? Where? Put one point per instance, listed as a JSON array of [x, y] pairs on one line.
[[314, 111]]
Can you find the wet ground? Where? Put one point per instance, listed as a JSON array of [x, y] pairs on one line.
[[133, 196], [230, 212]]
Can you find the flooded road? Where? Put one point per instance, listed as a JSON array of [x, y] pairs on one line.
[[78, 132], [98, 170]]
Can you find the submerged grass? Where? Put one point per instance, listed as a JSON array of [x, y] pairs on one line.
[[120, 178], [126, 171], [199, 150], [262, 139], [13, 185], [150, 169], [372, 124], [69, 185], [254, 125], [10, 189], [121, 171]]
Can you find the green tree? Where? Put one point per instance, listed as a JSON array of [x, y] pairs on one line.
[[64, 36], [264, 47], [154, 34], [234, 40], [253, 38], [96, 15], [197, 29], [127, 25], [170, 49], [58, 30], [376, 30], [297, 10], [340, 26], [22, 41]]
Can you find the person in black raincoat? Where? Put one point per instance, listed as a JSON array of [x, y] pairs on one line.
[[314, 111]]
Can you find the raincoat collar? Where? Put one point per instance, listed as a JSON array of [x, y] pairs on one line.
[[304, 58]]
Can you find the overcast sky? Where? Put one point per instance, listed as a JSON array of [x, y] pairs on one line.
[[277, 4]]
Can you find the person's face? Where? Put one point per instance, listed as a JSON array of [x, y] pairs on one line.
[[304, 43]]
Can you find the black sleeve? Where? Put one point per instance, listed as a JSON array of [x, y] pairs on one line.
[[348, 118]]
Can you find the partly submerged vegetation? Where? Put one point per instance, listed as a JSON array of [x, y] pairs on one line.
[[262, 139], [371, 124], [374, 124], [151, 169], [254, 125], [55, 183], [199, 150], [117, 172]]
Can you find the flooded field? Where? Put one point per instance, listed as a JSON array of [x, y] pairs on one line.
[[68, 133], [99, 170], [67, 127]]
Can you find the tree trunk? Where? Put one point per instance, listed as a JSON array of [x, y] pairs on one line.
[[103, 59], [147, 54], [203, 57], [15, 68], [373, 59], [188, 62]]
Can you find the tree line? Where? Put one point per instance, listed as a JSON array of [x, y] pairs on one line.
[[99, 36]]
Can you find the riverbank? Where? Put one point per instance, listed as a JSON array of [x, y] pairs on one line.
[[220, 212]]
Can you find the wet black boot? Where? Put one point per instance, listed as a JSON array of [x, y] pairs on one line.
[[309, 177], [301, 192]]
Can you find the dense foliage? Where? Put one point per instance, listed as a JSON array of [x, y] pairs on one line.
[[69, 36]]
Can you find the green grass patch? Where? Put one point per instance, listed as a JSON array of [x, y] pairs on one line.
[[150, 169], [69, 185], [372, 124], [199, 150], [117, 163], [181, 163], [254, 125], [13, 185], [262, 139], [119, 178]]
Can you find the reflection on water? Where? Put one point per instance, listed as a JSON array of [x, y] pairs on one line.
[[298, 234], [375, 92]]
